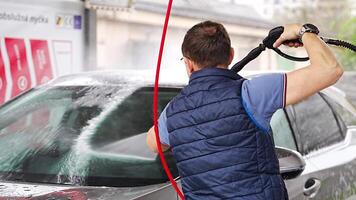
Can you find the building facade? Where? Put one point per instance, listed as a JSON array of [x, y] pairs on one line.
[[130, 38]]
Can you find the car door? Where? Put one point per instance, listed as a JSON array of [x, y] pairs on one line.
[[320, 136], [283, 136], [337, 163]]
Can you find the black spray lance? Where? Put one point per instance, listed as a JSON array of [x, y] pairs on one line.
[[272, 37]]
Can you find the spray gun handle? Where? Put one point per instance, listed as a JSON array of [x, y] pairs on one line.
[[293, 41], [273, 35]]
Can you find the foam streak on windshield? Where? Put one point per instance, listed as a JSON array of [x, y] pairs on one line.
[[77, 161]]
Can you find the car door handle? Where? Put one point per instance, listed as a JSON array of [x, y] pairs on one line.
[[311, 187]]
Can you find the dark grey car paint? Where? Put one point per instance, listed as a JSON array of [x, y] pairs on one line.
[[334, 169]]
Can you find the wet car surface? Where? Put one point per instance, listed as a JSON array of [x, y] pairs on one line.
[[83, 137]]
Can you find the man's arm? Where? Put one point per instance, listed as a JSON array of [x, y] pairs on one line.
[[163, 133], [151, 141], [323, 71]]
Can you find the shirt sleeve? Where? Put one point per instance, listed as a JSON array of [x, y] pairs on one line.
[[162, 127], [262, 96]]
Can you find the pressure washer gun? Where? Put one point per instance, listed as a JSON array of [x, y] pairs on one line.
[[268, 42]]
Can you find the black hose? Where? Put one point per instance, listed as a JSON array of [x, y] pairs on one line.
[[340, 43], [289, 57], [253, 54]]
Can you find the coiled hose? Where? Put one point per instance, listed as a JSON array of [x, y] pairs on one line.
[[340, 43]]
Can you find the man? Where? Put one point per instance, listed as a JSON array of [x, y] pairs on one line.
[[218, 126]]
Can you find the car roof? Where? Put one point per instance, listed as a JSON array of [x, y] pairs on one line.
[[167, 78], [118, 77], [340, 97]]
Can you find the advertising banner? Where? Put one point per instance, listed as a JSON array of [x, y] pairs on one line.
[[19, 68], [39, 40], [3, 82], [41, 61]]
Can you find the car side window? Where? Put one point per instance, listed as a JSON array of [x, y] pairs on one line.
[[340, 122], [314, 124], [282, 133]]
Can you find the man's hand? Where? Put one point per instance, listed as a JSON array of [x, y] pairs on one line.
[[323, 70], [151, 141], [291, 32]]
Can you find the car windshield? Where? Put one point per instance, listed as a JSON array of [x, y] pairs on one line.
[[81, 136]]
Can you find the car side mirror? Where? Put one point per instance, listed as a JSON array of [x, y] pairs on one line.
[[291, 163]]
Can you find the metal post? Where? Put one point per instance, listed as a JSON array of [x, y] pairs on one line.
[[90, 57]]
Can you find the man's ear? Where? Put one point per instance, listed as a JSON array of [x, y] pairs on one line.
[[189, 65], [231, 56]]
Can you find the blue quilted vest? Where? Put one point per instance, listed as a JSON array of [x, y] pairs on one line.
[[220, 152]]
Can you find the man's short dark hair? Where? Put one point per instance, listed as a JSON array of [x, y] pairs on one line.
[[207, 44]]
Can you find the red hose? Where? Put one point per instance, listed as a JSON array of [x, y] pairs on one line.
[[155, 101]]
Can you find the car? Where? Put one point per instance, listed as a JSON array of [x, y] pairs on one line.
[[83, 137]]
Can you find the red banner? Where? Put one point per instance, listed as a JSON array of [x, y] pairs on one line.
[[3, 81], [20, 73], [41, 61]]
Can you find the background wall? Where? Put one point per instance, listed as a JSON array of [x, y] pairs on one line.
[[131, 38]]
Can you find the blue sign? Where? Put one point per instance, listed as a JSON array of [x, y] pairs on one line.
[[77, 22]]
